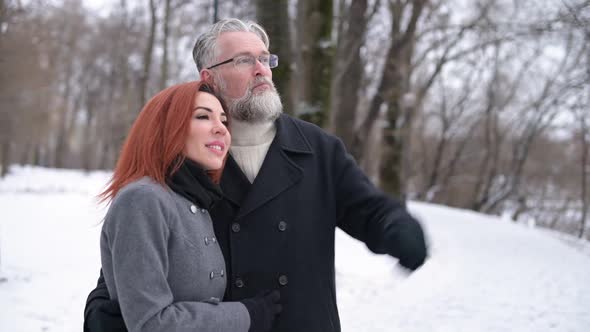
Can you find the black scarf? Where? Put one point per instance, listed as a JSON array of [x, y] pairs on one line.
[[193, 183]]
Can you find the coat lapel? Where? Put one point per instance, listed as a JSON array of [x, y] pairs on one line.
[[234, 183], [278, 173]]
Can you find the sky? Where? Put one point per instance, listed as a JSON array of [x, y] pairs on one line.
[[484, 273]]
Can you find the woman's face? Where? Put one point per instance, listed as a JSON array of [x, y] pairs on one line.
[[208, 138]]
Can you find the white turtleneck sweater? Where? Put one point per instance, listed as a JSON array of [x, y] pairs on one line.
[[249, 145]]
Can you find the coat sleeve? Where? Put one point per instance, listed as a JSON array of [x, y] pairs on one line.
[[368, 214], [136, 234]]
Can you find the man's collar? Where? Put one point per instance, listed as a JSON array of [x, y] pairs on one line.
[[290, 136]]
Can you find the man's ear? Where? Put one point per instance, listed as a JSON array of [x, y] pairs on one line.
[[205, 75]]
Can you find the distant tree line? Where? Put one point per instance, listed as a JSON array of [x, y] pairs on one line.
[[480, 104]]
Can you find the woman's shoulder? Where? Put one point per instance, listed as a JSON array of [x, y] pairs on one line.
[[140, 199], [143, 186], [144, 191]]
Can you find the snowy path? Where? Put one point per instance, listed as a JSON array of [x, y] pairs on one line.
[[484, 274]]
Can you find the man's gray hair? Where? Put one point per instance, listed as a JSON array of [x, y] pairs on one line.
[[206, 45]]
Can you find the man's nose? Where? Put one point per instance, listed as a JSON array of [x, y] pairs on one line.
[[261, 69]]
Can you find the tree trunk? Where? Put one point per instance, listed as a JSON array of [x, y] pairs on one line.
[[147, 55], [165, 38], [89, 140], [314, 40], [393, 87], [64, 109], [348, 72], [584, 173], [274, 17], [391, 162], [4, 158]]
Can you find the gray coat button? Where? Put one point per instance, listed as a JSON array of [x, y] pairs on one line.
[[239, 282], [283, 280], [210, 240], [203, 210], [213, 300], [282, 226], [235, 227], [193, 209]]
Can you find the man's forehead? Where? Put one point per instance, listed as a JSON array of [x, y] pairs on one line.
[[240, 42]]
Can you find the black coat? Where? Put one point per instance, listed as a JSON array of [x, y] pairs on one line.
[[279, 231]]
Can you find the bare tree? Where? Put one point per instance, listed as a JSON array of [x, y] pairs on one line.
[[314, 61], [405, 84], [453, 120], [165, 46], [347, 76], [273, 15], [585, 142], [23, 82], [148, 53], [534, 118]]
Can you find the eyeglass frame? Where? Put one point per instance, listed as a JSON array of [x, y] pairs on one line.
[[257, 58]]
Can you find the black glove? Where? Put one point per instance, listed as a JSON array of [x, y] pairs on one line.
[[101, 313], [263, 309], [411, 245], [104, 317]]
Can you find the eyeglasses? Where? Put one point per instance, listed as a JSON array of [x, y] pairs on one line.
[[249, 61]]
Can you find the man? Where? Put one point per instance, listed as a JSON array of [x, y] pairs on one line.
[[287, 186]]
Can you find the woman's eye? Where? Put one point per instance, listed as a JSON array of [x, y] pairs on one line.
[[202, 117], [225, 123]]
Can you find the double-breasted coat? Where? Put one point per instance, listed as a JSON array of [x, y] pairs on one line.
[[278, 232], [162, 262]]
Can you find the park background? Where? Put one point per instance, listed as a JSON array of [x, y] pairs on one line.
[[481, 104]]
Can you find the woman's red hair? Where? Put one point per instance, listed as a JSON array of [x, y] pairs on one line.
[[155, 144]]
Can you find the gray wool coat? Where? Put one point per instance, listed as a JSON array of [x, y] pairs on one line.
[[162, 262]]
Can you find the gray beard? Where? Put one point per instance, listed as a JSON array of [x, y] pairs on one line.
[[254, 108]]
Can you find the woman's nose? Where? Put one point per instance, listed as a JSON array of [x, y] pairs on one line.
[[220, 128]]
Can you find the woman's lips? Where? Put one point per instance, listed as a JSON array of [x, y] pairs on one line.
[[216, 147]]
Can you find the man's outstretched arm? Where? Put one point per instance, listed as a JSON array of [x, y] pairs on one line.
[[368, 214], [102, 314]]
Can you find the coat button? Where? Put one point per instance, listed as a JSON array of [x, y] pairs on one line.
[[239, 282], [206, 241], [193, 209], [283, 280], [235, 227], [213, 300], [203, 210], [282, 226]]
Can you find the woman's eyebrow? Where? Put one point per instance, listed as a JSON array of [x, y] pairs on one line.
[[203, 108]]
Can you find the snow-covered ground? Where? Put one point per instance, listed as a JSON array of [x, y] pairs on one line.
[[484, 273]]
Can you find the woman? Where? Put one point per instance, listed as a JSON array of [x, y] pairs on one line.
[[160, 257]]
